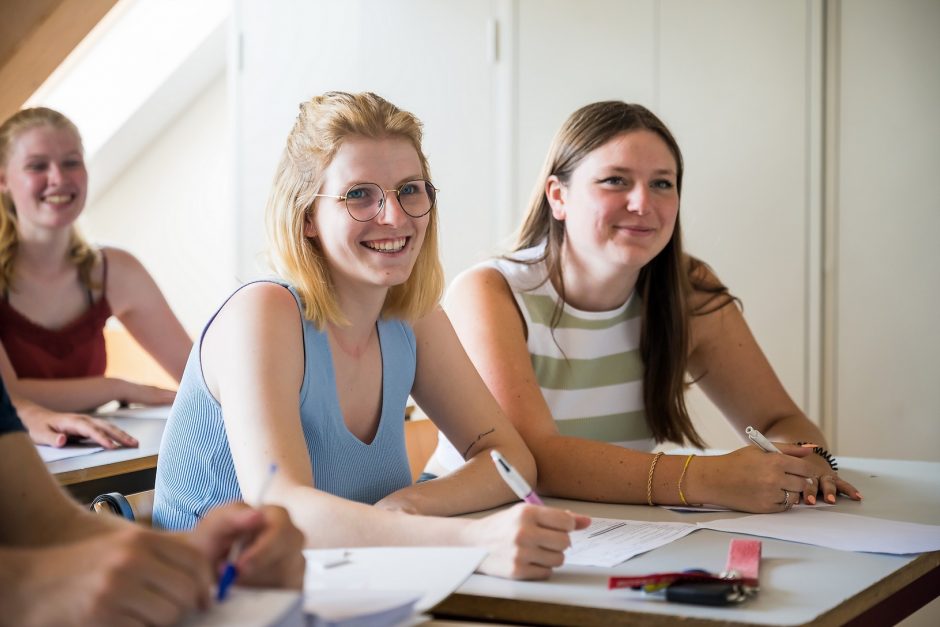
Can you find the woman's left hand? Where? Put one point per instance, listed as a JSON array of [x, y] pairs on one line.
[[826, 483]]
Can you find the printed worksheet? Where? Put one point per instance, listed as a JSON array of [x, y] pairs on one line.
[[608, 542]]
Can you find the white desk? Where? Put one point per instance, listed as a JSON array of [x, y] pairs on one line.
[[800, 584], [124, 470]]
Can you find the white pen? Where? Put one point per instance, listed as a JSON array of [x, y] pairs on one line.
[[758, 438], [514, 480]]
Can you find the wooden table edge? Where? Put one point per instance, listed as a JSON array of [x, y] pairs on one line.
[[81, 475], [471, 606], [468, 606], [925, 565]]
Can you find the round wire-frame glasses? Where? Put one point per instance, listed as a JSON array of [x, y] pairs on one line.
[[364, 201]]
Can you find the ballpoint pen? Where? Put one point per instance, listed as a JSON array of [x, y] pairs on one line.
[[758, 438], [231, 572], [514, 480]]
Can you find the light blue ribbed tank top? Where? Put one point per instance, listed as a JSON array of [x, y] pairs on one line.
[[195, 471]]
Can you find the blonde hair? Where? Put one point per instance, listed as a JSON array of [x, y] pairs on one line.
[[322, 126], [80, 253]]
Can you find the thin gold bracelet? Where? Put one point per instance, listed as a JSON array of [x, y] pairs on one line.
[[682, 476], [649, 480]]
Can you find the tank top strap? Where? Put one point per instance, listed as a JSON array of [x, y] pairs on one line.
[[104, 279]]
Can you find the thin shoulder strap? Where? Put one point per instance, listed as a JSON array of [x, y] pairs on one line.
[[104, 280], [104, 273]]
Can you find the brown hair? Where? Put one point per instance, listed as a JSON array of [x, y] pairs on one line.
[[664, 284], [323, 124], [80, 253]]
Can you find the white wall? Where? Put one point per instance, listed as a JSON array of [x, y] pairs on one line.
[[171, 207], [886, 381], [739, 82], [741, 120], [428, 57]]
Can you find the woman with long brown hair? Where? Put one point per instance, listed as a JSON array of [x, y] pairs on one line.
[[588, 332]]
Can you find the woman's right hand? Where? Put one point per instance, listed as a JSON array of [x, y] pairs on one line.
[[55, 428], [525, 541], [750, 480], [128, 392]]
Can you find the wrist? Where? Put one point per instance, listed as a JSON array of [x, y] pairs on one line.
[[825, 455], [699, 483], [465, 532], [117, 389]]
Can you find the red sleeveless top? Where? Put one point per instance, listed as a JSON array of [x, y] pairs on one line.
[[75, 350]]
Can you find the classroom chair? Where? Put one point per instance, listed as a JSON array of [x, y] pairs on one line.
[[420, 442], [136, 507]]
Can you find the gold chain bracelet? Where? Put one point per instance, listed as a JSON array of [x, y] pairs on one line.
[[649, 480]]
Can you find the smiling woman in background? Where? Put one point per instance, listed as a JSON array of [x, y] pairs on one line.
[[57, 291], [588, 333]]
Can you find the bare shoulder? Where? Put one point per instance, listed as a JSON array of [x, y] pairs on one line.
[[122, 265], [708, 294], [259, 314], [261, 320], [481, 298], [480, 285], [128, 285], [265, 301]]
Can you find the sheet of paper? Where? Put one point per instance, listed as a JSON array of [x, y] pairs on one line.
[[157, 412], [608, 542], [253, 607], [336, 608], [847, 532], [52, 454], [701, 509], [429, 573]]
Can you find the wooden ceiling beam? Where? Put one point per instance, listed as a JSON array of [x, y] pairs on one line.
[[44, 48]]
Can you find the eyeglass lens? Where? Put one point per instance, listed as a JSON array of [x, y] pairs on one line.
[[365, 200]]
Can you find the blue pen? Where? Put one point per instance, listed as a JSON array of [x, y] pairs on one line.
[[230, 572]]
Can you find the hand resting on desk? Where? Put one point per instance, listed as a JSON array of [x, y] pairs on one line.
[[755, 481], [55, 428]]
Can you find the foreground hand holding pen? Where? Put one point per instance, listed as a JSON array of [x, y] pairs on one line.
[[541, 548], [231, 571]]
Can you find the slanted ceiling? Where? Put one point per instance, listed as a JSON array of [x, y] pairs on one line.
[[35, 37]]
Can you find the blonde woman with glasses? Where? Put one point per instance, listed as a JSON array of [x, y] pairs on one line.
[[311, 371]]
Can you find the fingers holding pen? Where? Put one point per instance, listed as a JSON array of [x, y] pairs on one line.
[[274, 555], [525, 541]]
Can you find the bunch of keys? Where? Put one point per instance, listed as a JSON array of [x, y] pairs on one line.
[[737, 583], [699, 587]]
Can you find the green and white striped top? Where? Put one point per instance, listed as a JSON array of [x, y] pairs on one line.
[[588, 367]]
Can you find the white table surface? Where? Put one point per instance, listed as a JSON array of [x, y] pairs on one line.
[[799, 582]]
